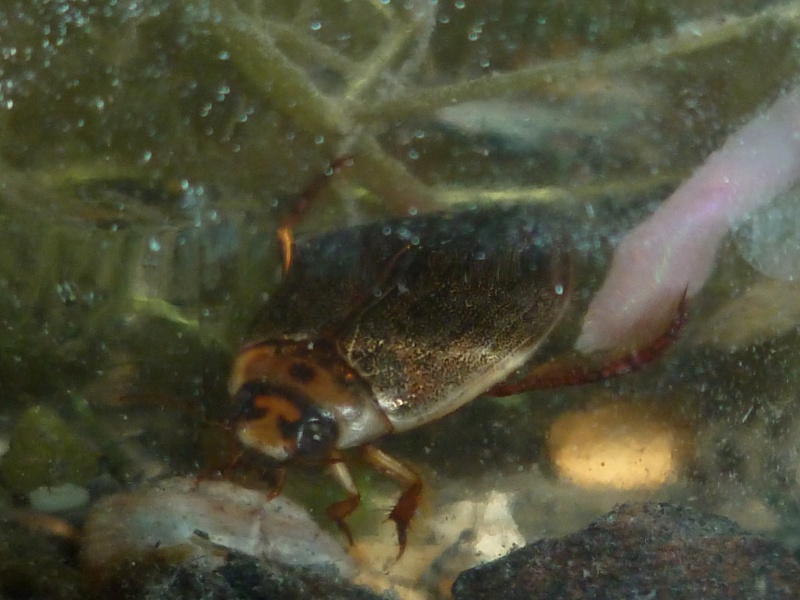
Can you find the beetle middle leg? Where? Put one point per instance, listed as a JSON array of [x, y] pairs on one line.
[[407, 504], [403, 510]]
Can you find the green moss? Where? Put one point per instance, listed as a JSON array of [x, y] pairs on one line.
[[44, 450]]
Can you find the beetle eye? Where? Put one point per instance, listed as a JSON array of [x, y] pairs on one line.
[[316, 436], [245, 407]]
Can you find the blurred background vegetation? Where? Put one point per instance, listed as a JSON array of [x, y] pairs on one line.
[[148, 149]]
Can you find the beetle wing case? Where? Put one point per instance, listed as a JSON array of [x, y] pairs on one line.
[[432, 310]]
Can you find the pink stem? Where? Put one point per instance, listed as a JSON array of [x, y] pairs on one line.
[[674, 249]]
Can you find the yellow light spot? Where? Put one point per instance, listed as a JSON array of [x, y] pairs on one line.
[[618, 444]]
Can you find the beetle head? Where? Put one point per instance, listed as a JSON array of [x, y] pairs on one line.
[[282, 423], [298, 400]]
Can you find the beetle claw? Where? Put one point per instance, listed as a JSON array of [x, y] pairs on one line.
[[286, 244]]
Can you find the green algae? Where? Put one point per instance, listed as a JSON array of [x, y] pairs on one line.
[[44, 451]]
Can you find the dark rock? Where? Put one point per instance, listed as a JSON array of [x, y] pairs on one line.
[[641, 551], [35, 565]]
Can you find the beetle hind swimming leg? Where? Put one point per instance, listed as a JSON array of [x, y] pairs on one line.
[[576, 369], [300, 208]]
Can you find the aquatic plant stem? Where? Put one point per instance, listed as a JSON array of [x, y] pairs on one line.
[[647, 54], [288, 89]]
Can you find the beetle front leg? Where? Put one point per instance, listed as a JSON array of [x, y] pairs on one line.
[[339, 511], [407, 505]]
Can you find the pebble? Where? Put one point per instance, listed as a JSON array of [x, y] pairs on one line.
[[58, 498], [198, 517]]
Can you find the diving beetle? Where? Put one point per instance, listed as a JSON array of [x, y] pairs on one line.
[[378, 329]]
